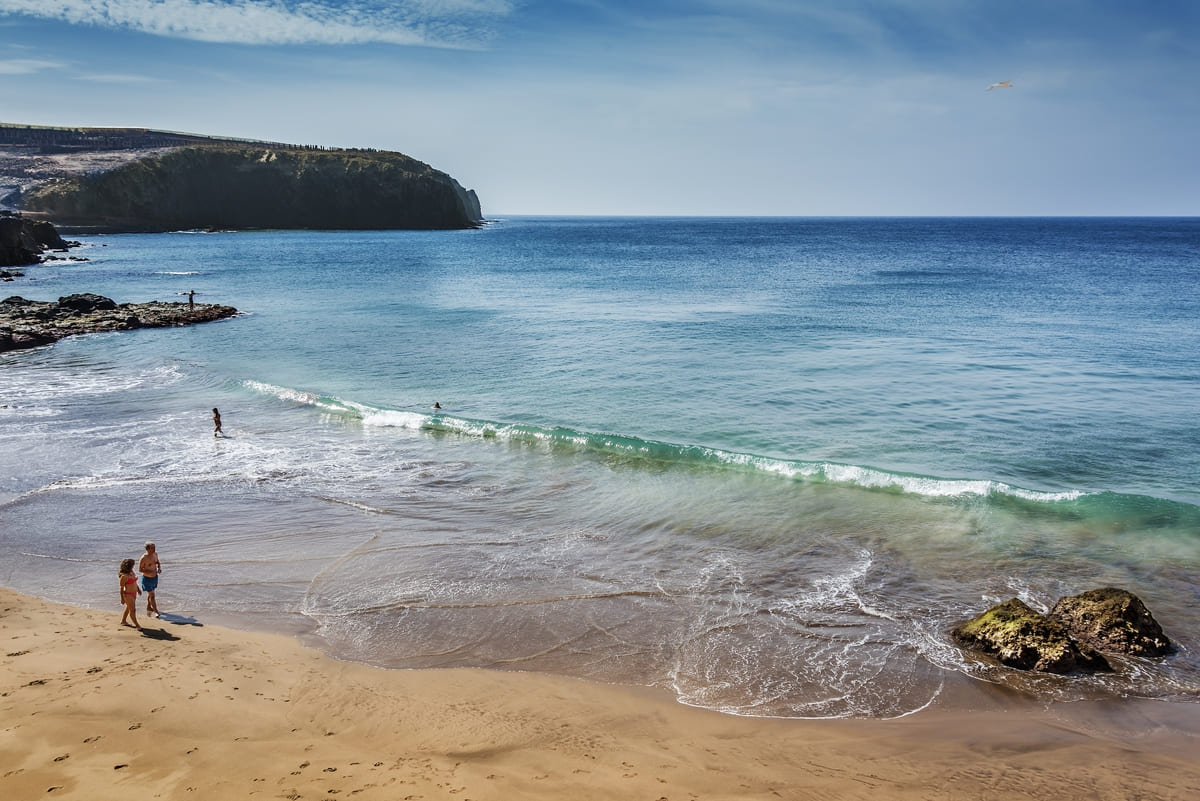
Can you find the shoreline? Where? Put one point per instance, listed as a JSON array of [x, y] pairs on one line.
[[186, 709]]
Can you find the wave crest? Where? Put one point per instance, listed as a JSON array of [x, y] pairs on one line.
[[634, 448]]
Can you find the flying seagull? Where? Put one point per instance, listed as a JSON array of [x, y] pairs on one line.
[[1001, 85]]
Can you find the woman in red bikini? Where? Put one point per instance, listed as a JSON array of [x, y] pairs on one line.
[[129, 593]]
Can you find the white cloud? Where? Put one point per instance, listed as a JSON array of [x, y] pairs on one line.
[[118, 78], [26, 66], [280, 22]]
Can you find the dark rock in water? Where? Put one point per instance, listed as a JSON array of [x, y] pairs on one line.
[[17, 245], [29, 323], [22, 241], [46, 235], [1022, 638], [87, 302], [1112, 619]]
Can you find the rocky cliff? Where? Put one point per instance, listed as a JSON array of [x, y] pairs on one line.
[[234, 185], [22, 241]]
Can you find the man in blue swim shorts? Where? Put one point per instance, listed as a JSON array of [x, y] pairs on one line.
[[150, 567]]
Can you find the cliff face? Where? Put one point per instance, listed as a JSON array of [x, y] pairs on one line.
[[23, 241], [258, 186]]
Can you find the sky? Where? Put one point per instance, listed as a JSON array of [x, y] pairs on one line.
[[662, 107]]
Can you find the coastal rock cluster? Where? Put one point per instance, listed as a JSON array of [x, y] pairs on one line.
[[23, 241], [29, 323], [1071, 637]]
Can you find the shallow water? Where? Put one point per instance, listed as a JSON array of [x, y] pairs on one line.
[[765, 463]]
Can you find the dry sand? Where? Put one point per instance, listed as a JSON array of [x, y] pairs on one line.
[[91, 710]]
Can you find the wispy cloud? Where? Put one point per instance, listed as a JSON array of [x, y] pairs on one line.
[[26, 66], [438, 23], [118, 78]]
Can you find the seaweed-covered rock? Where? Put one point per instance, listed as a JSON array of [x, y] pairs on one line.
[[1112, 619], [1022, 638]]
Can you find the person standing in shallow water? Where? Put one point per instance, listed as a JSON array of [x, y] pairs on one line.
[[217, 423], [129, 594], [150, 567]]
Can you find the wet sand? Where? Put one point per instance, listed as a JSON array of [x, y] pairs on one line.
[[89, 709]]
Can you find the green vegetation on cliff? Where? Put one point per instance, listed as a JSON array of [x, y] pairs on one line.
[[229, 186]]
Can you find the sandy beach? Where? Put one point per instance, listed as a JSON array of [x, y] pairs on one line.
[[92, 710]]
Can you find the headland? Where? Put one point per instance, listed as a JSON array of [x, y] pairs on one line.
[[138, 179]]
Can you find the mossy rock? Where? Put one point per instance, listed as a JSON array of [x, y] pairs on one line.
[[1020, 637], [1113, 620]]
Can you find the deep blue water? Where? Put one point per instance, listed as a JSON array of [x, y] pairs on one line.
[[765, 462]]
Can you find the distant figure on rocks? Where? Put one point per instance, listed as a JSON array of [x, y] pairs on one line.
[[129, 594], [150, 567], [217, 423], [191, 299]]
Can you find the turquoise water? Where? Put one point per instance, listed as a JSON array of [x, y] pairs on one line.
[[766, 463]]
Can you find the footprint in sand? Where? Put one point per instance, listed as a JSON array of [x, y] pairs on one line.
[[17, 653], [95, 669], [135, 726], [93, 739], [61, 758], [119, 767]]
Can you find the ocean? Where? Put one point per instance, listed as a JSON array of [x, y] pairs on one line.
[[764, 464]]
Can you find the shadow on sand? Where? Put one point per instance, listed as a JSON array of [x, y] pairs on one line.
[[158, 634]]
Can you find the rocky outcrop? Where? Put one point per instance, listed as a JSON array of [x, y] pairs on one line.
[[1112, 620], [1020, 637], [22, 240], [1071, 637], [29, 323], [238, 186]]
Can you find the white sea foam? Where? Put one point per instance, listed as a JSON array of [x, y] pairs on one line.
[[283, 393], [392, 419], [49, 386]]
